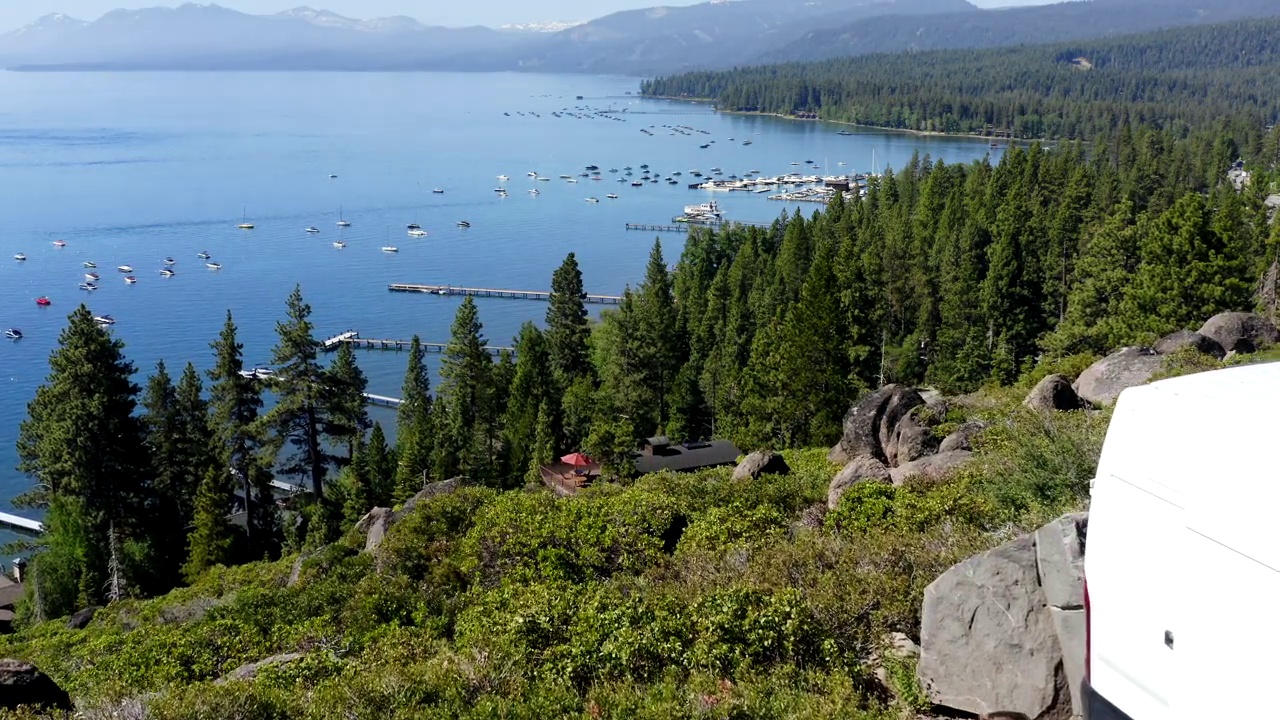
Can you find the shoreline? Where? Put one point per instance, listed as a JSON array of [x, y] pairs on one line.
[[907, 131]]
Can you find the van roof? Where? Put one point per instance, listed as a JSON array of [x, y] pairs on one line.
[[1248, 383]]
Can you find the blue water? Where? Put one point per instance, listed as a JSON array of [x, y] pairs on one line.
[[131, 168]]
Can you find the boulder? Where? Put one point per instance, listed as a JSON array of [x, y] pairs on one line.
[[837, 455], [911, 441], [930, 467], [1017, 606], [761, 462], [871, 423], [375, 523], [22, 684], [1053, 393], [1127, 367], [249, 671], [1183, 339], [962, 438], [82, 618], [893, 646], [1240, 332], [443, 487], [858, 470]]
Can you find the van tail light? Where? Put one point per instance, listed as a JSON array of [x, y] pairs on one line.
[[1088, 635]]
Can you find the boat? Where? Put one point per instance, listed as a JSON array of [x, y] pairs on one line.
[[545, 179], [167, 272], [593, 167], [90, 264], [125, 268], [339, 244], [746, 142], [60, 243], [613, 170], [13, 334], [532, 174], [612, 196], [88, 286], [105, 320], [312, 230], [91, 276], [213, 266], [995, 144], [534, 191], [20, 257], [622, 179], [637, 183], [413, 226], [43, 302], [503, 178], [627, 168], [464, 224], [844, 132], [263, 373], [572, 180], [418, 233], [342, 222], [332, 176], [565, 177], [130, 280], [170, 261], [593, 200], [437, 191], [245, 224], [390, 249]]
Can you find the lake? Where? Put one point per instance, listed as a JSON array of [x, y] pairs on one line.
[[130, 168]]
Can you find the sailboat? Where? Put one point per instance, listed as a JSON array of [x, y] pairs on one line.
[[246, 225], [341, 221]]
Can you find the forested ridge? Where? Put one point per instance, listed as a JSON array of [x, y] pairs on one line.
[[1180, 79]]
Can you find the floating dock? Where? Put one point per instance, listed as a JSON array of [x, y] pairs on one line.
[[382, 400], [543, 295], [333, 342], [20, 523], [680, 227]]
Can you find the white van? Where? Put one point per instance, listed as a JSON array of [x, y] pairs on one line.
[[1182, 561]]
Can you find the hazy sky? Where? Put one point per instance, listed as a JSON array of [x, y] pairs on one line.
[[15, 13]]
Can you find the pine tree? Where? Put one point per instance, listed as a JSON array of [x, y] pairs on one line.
[[1103, 277], [358, 485], [543, 451], [345, 403], [415, 434], [532, 390], [170, 491], [235, 402], [300, 418], [662, 349], [380, 462], [212, 533], [466, 392], [82, 441], [567, 330]]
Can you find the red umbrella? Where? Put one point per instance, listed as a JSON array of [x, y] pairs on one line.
[[576, 459]]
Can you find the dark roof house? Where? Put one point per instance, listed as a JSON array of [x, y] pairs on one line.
[[659, 454]]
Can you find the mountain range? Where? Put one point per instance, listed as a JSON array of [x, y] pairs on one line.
[[658, 40]]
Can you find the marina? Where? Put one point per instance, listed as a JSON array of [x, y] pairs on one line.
[[353, 339], [496, 293]]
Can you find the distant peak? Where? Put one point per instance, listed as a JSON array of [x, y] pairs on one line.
[[543, 27]]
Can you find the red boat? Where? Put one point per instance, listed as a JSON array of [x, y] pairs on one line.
[[43, 301]]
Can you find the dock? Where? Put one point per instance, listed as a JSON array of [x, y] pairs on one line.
[[333, 342], [20, 523], [680, 228], [382, 400], [430, 347], [543, 295]]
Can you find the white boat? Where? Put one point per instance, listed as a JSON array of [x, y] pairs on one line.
[[131, 280], [533, 191], [213, 266], [88, 286], [105, 320], [91, 276], [170, 261], [204, 255], [20, 257], [545, 179], [437, 191], [390, 249], [464, 224], [532, 174], [13, 334], [593, 200], [90, 264], [342, 222], [503, 178], [264, 373], [60, 243], [332, 176], [125, 268], [311, 230], [565, 177], [572, 180], [244, 220], [612, 196], [167, 272], [245, 226], [417, 233], [339, 244]]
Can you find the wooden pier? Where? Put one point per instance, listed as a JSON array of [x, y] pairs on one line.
[[333, 342], [679, 228], [20, 523], [496, 292], [382, 400], [379, 344]]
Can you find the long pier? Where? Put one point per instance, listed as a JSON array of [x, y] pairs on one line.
[[543, 295], [20, 523], [379, 344], [680, 228], [382, 400], [333, 342]]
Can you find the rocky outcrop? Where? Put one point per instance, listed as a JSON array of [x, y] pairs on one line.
[[837, 455], [443, 487], [1184, 339], [81, 619], [910, 441], [374, 526], [871, 425], [761, 462], [248, 671], [858, 470], [1017, 606], [1127, 367], [1053, 393], [962, 438], [22, 684], [1240, 332], [931, 467]]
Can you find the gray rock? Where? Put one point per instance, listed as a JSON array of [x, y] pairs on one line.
[[837, 455], [987, 643], [248, 671], [375, 523], [1183, 339], [858, 470], [911, 441], [931, 467], [1060, 557], [443, 487], [22, 684], [1128, 367], [1240, 332], [962, 438], [1053, 393], [82, 618], [295, 573], [870, 424], [1069, 626], [935, 401], [761, 462]]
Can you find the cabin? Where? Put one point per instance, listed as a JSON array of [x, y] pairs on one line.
[[659, 453]]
